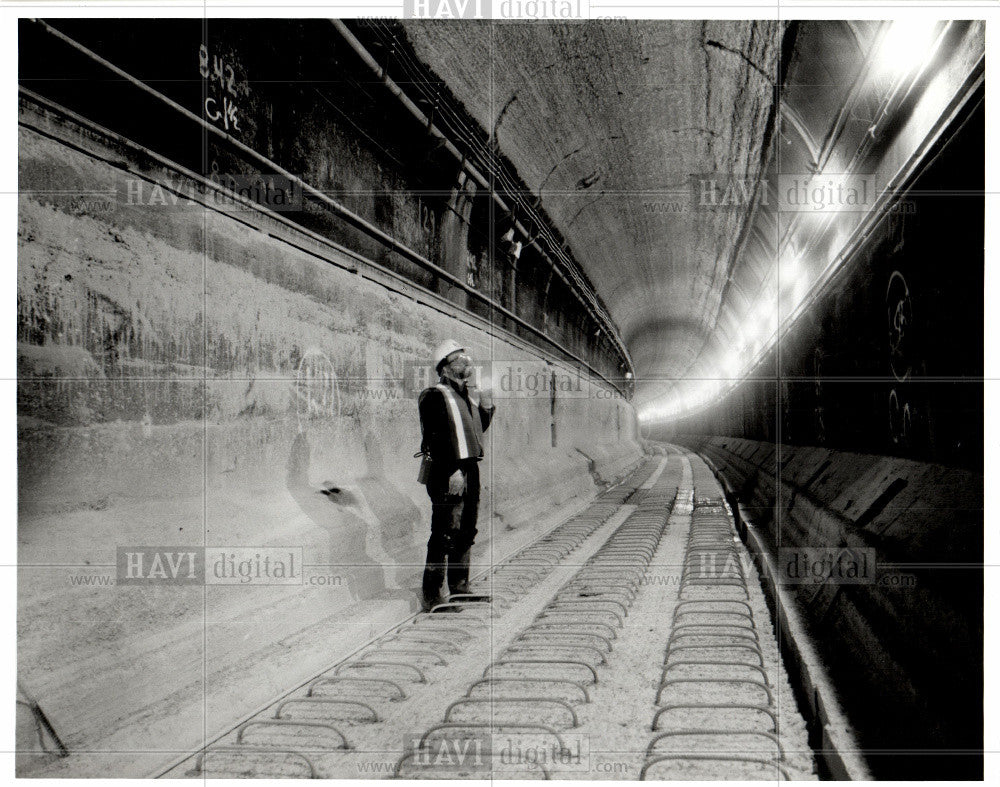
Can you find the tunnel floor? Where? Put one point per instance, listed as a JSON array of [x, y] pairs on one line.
[[631, 641]]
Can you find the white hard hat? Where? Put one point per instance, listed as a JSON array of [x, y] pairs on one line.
[[443, 350]]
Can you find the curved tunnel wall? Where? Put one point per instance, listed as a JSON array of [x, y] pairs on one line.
[[889, 357], [863, 430], [192, 372]]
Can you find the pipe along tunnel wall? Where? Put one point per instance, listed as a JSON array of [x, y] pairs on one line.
[[192, 376], [865, 436]]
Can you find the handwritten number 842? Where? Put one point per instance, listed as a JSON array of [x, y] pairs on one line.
[[220, 70]]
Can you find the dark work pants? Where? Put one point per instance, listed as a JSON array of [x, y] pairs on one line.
[[453, 531]]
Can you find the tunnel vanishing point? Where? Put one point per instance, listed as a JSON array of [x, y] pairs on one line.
[[717, 274]]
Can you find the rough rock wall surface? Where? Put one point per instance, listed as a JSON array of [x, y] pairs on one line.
[[611, 123], [187, 378]]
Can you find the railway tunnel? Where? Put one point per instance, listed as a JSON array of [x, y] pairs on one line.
[[724, 280]]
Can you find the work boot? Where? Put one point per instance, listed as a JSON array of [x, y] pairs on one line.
[[472, 597], [458, 572], [427, 603], [463, 592], [440, 602]]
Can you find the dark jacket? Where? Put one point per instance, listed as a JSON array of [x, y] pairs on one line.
[[435, 426]]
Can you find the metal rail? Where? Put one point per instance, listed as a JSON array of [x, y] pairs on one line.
[[404, 665], [561, 672], [714, 689]]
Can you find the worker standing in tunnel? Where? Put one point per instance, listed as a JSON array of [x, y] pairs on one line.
[[452, 427]]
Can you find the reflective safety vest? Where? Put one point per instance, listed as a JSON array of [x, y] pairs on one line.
[[466, 427]]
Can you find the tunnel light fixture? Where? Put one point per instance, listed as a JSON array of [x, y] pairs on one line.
[[700, 393], [762, 324], [801, 289], [790, 270], [688, 397], [730, 365], [694, 399], [906, 44], [793, 296]]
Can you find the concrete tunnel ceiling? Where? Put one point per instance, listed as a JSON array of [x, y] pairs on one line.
[[607, 123]]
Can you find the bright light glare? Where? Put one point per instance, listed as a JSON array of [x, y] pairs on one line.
[[762, 323], [801, 288], [730, 365], [906, 44], [693, 395], [791, 270]]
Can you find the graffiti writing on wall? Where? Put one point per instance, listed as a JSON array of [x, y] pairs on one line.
[[428, 220], [222, 91], [900, 419], [899, 322], [899, 314], [316, 390], [820, 424]]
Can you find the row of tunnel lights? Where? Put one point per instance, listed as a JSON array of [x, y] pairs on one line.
[[756, 336], [905, 44]]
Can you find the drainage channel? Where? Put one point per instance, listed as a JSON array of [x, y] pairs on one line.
[[352, 720], [531, 712]]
